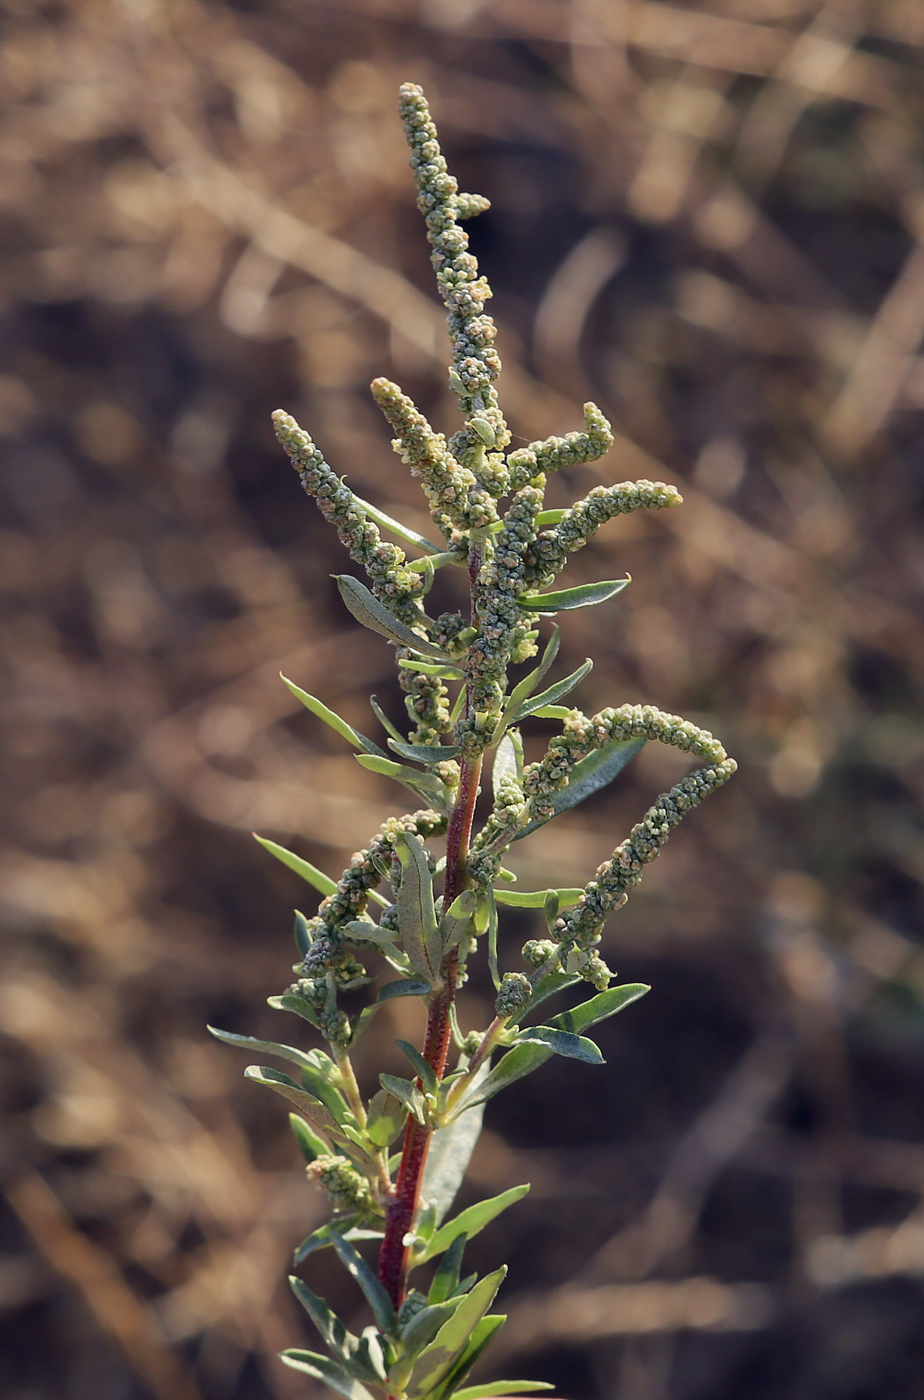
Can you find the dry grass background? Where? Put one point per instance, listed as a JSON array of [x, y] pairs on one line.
[[710, 218]]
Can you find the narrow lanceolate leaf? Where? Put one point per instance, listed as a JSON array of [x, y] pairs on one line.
[[492, 938], [333, 1332], [323, 1369], [586, 595], [535, 899], [526, 1056], [446, 1279], [395, 527], [450, 1342], [476, 1392], [346, 731], [551, 517], [508, 760], [573, 1047], [307, 1104], [425, 785], [377, 1298], [420, 932], [404, 987], [553, 982], [383, 719], [431, 668], [310, 1145], [553, 694], [268, 1047], [424, 1325], [470, 1222], [367, 609], [408, 1093], [308, 872], [322, 1238], [589, 776], [383, 938], [528, 684], [480, 1339], [425, 753], [290, 1001], [425, 1071]]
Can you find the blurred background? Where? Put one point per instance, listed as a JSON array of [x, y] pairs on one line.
[[709, 217]]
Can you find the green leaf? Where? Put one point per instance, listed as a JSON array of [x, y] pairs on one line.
[[341, 1341], [450, 1342], [408, 1093], [528, 684], [319, 1085], [551, 517], [321, 1238], [589, 776], [385, 1119], [323, 1369], [346, 731], [526, 1056], [470, 1222], [573, 1047], [446, 1279], [309, 1144], [552, 712], [492, 937], [395, 527], [587, 595], [424, 1069], [291, 1001], [377, 1298], [425, 753], [308, 872], [360, 931], [553, 694], [424, 1325], [480, 1339], [450, 1152], [420, 930], [431, 668], [312, 1108], [302, 935], [268, 1047], [476, 1392], [535, 899], [367, 609], [424, 785], [404, 987], [508, 760], [383, 719]]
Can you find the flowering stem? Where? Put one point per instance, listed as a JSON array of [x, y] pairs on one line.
[[402, 1208]]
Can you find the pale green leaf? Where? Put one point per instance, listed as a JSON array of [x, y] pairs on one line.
[[450, 1152], [573, 1047], [268, 1047], [408, 1093], [586, 595], [589, 776], [451, 1340], [309, 1144], [470, 1222], [323, 1369], [425, 753], [333, 1332], [377, 1298], [309, 872], [424, 785], [316, 1112], [420, 931], [481, 1336], [404, 987], [330, 717], [395, 527], [476, 1392], [291, 1001], [367, 609], [425, 1071], [535, 899], [553, 694]]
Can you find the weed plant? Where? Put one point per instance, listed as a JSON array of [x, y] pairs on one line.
[[392, 1166]]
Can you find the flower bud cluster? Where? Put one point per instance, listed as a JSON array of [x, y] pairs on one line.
[[557, 452], [456, 499], [349, 900], [427, 703], [609, 888], [476, 363], [547, 555], [513, 993], [346, 1188], [506, 818], [501, 580], [396, 586], [582, 735]]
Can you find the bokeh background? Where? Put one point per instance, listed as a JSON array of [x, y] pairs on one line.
[[709, 218]]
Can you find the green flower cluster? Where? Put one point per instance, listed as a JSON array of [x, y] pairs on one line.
[[346, 1188], [396, 586], [557, 452], [549, 551]]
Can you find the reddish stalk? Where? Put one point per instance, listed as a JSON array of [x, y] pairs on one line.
[[402, 1208]]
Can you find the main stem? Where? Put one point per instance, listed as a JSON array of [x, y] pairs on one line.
[[402, 1208]]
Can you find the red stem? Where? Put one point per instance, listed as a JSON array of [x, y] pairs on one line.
[[402, 1208]]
